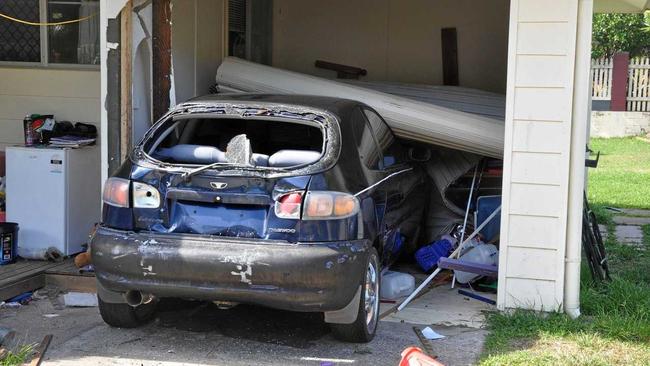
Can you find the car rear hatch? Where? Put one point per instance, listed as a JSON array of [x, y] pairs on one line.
[[226, 196]]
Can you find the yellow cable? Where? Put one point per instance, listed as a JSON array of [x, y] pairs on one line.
[[46, 24]]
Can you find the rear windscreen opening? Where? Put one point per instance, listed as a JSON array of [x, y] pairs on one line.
[[272, 143]]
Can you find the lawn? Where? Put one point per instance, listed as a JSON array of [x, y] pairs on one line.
[[614, 328], [622, 178]]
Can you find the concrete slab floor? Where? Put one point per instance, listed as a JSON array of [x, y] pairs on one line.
[[631, 220], [444, 306], [635, 212], [630, 235], [192, 333]]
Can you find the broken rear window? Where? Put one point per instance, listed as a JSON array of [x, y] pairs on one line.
[[273, 143]]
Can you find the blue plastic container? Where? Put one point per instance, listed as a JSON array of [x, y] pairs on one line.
[[428, 256], [8, 242]]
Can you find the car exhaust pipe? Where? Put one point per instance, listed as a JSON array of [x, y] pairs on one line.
[[225, 305], [137, 298]]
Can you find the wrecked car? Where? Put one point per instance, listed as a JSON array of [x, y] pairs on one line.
[[290, 202]]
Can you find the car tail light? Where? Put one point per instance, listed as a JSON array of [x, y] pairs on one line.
[[145, 196], [329, 205], [288, 206], [116, 192]]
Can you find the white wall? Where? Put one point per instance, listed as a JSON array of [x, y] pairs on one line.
[[397, 40], [71, 95], [537, 153], [197, 39]]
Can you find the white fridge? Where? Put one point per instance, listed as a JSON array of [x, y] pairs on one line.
[[54, 196]]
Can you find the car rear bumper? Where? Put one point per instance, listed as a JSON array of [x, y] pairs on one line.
[[298, 277]]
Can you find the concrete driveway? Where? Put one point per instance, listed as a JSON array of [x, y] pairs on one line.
[[192, 333], [198, 333]]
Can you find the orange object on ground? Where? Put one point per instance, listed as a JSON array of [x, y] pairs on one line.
[[82, 259], [413, 356]]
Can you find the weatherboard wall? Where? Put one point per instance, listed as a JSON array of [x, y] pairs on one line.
[[70, 95], [537, 153]]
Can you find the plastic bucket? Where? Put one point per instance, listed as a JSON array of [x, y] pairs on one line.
[[8, 242]]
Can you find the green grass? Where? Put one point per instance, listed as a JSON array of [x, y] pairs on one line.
[[622, 178], [17, 357], [615, 326]]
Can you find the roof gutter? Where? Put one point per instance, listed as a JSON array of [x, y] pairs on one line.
[[579, 127]]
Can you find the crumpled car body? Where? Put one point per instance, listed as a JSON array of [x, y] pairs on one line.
[[272, 200]]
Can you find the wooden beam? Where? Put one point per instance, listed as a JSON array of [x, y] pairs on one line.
[[79, 283], [162, 56], [126, 72], [449, 56], [113, 96], [28, 283]]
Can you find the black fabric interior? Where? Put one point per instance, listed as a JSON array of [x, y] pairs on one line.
[[267, 137]]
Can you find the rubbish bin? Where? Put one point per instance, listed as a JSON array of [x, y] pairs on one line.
[[8, 242]]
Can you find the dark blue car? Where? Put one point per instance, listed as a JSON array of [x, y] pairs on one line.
[[291, 202]]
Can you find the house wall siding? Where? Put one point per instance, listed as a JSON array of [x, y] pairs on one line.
[[396, 40], [71, 95], [537, 153]]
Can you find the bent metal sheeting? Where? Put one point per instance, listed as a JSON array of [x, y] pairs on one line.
[[409, 119]]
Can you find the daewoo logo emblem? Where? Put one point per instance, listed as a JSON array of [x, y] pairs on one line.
[[218, 185]]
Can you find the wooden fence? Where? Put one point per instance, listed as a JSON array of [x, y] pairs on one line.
[[638, 94], [638, 82], [601, 76]]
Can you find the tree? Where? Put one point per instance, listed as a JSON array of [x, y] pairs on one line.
[[614, 33]]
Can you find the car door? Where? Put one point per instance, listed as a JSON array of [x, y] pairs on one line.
[[401, 182], [372, 194]]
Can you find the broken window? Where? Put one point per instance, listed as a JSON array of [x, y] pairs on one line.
[[264, 143]]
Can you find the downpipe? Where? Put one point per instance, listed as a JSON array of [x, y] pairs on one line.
[[136, 298], [580, 121]]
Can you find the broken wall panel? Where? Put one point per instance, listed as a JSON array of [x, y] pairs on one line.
[[408, 118]]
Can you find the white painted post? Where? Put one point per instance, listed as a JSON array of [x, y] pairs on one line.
[[541, 60]]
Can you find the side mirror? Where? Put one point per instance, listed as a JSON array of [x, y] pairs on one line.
[[419, 153]]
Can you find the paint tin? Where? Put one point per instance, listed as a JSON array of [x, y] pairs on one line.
[[28, 128]]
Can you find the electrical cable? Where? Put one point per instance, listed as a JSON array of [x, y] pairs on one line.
[[46, 24]]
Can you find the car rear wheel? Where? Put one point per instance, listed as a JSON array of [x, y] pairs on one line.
[[364, 328], [122, 315]]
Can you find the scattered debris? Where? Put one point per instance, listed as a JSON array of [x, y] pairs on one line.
[[40, 350], [22, 299], [6, 335], [477, 297], [87, 269], [80, 299], [431, 334], [395, 285], [10, 305], [82, 260]]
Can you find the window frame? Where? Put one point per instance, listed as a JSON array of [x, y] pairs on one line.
[[44, 43]]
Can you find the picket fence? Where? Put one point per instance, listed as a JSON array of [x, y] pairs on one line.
[[638, 83]]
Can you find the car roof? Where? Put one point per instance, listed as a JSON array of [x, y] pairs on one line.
[[337, 106]]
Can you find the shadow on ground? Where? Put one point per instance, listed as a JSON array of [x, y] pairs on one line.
[[297, 330]]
